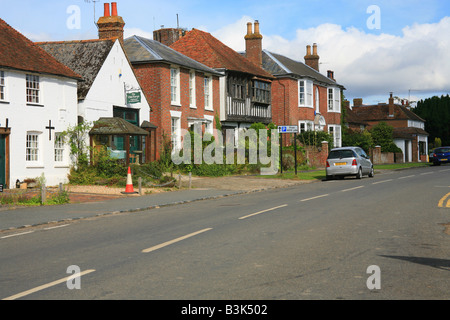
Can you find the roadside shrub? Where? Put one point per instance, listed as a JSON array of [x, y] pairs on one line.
[[288, 161]]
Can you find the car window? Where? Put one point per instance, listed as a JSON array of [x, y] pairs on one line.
[[442, 150], [363, 154], [338, 154]]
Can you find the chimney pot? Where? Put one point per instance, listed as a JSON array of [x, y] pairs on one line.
[[308, 50], [249, 28], [315, 49], [114, 9], [256, 27], [106, 11]]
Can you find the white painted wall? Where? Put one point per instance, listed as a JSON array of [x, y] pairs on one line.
[[58, 103], [108, 89]]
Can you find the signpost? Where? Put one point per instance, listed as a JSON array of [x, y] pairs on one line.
[[288, 129]]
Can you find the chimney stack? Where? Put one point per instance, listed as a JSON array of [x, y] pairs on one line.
[[253, 44], [357, 102], [330, 74], [110, 26], [312, 60], [391, 105]]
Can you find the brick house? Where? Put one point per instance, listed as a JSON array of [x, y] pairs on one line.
[[245, 91], [182, 93], [301, 95], [409, 134]]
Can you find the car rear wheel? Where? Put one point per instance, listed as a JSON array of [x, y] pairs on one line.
[[359, 174], [372, 173]]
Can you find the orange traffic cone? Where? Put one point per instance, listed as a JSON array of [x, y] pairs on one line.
[[129, 187]]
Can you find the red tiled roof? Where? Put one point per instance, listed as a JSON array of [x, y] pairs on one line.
[[20, 53], [204, 48], [381, 112]]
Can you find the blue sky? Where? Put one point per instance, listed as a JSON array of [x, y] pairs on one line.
[[407, 53]]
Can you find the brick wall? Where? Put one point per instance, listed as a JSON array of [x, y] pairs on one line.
[[155, 82], [285, 110]]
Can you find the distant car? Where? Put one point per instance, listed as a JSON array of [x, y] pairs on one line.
[[441, 155], [348, 161], [430, 156]]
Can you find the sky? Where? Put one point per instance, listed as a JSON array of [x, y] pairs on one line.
[[374, 47]]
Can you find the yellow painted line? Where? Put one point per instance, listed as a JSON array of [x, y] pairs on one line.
[[165, 244], [45, 286], [441, 202], [259, 212]]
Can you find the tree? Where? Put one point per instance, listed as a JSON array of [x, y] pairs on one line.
[[436, 112], [361, 139], [382, 135]]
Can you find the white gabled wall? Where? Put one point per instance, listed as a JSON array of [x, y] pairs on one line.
[[108, 89]]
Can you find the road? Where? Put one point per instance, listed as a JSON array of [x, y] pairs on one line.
[[314, 241]]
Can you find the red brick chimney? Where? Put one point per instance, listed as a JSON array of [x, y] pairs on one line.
[[330, 75], [391, 106], [253, 44], [110, 26], [167, 36], [312, 60], [357, 102]]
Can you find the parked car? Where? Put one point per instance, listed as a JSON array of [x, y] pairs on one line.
[[348, 161], [431, 156], [441, 155]]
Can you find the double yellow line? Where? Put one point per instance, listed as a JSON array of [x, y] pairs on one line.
[[442, 203]]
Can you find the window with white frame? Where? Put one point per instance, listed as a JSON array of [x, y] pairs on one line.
[[305, 93], [317, 101], [175, 129], [2, 85], [32, 147], [335, 131], [59, 147], [334, 99], [208, 92], [175, 86], [33, 87], [192, 102], [305, 125], [209, 124]]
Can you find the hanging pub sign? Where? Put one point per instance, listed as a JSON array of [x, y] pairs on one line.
[[133, 97]]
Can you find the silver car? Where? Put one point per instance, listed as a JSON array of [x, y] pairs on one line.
[[348, 161]]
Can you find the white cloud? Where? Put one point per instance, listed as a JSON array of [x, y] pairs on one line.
[[366, 64]]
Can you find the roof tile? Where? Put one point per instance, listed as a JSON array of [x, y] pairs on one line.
[[203, 47], [20, 53]]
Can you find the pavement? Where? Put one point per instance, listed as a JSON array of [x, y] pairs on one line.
[[91, 204]]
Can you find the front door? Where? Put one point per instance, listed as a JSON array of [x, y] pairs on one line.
[[3, 159]]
